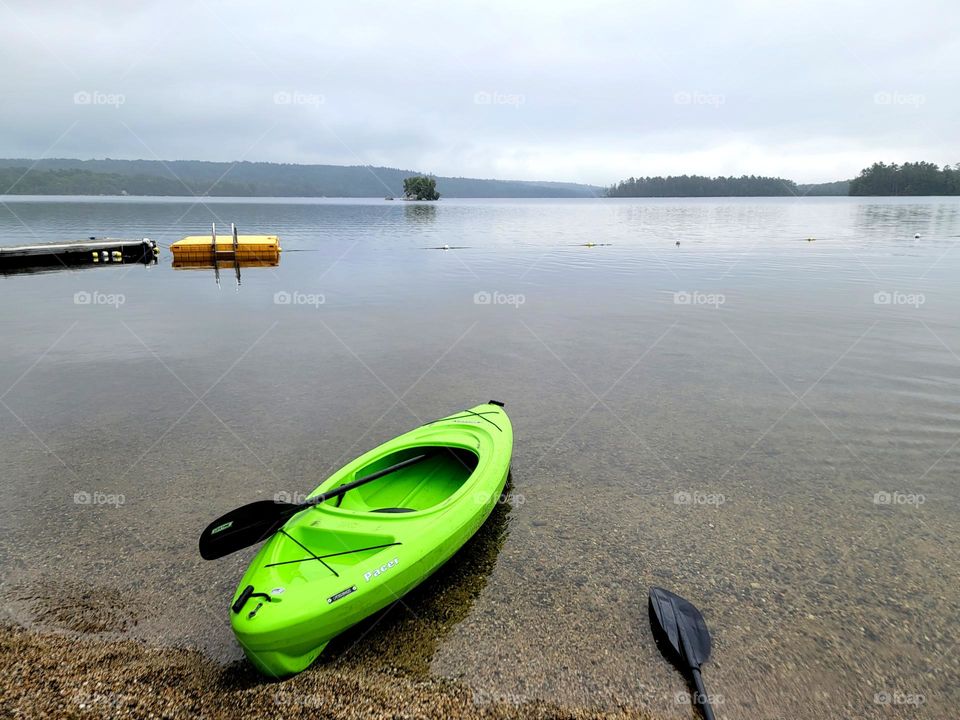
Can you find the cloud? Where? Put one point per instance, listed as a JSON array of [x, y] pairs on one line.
[[533, 90]]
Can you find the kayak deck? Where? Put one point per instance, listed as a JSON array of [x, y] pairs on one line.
[[406, 492]]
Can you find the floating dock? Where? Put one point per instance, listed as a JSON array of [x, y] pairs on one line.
[[212, 249], [197, 252], [95, 251]]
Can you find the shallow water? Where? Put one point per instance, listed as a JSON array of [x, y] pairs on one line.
[[765, 425]]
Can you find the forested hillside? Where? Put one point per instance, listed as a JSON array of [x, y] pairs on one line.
[[247, 179]]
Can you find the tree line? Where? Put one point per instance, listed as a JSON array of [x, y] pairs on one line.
[[702, 186], [919, 178]]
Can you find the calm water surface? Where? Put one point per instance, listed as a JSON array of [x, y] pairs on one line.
[[766, 425]]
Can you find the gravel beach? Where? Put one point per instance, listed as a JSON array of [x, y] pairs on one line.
[[51, 675], [77, 660]]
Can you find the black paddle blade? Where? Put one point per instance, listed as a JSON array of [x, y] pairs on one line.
[[682, 625], [257, 521], [243, 527]]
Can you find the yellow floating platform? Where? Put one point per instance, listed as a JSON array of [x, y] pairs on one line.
[[200, 248]]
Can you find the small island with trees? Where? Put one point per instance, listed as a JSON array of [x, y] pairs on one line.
[[420, 187]]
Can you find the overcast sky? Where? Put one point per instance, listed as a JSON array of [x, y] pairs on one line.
[[589, 92]]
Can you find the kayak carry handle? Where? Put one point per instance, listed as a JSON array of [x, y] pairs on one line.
[[496, 402], [246, 595]]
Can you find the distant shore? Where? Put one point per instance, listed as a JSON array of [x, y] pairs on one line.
[[198, 178], [67, 176]]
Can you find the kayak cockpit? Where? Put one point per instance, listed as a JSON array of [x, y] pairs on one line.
[[416, 487]]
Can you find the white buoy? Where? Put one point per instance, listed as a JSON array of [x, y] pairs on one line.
[[446, 247], [916, 236]]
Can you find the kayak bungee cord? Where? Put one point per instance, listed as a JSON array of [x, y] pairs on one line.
[[315, 557], [322, 557]]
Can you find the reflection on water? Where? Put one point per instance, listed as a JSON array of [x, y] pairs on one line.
[[57, 265], [420, 212], [235, 264], [762, 452]]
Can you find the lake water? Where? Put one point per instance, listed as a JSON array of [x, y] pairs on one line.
[[761, 423]]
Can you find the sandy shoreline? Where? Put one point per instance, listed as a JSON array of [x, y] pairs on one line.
[[76, 655], [61, 675]]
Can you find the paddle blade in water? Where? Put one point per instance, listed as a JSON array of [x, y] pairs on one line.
[[243, 527], [682, 625], [685, 631]]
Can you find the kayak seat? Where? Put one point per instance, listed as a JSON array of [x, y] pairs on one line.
[[412, 489]]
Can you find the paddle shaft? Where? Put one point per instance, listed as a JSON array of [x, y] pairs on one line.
[[702, 700], [323, 497]]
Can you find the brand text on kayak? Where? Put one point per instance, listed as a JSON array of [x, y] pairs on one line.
[[369, 575]]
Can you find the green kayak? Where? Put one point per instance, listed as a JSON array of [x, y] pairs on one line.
[[338, 562]]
